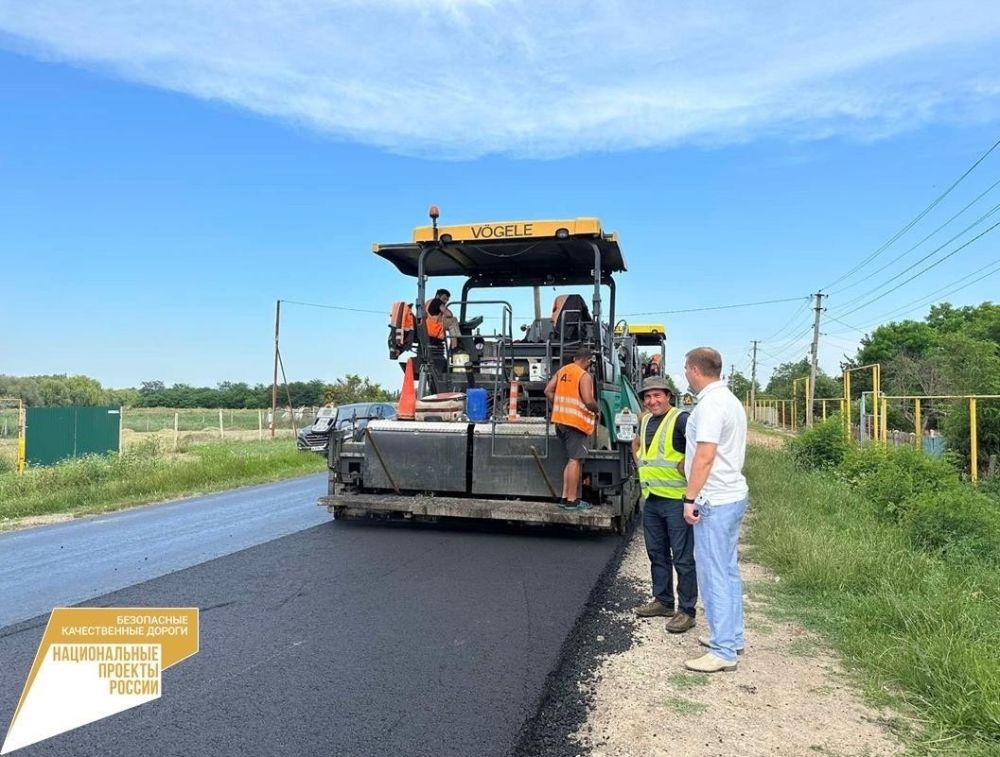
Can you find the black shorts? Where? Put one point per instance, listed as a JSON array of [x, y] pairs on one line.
[[574, 441]]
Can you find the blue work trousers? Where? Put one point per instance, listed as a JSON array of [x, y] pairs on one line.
[[670, 546]]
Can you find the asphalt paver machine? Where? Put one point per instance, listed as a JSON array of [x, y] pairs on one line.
[[498, 458]]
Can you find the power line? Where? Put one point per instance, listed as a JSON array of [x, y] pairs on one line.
[[915, 221], [929, 255], [788, 354], [765, 352], [842, 342], [899, 257], [925, 270], [332, 307], [791, 321], [785, 344], [837, 320], [782, 356], [926, 299], [360, 310], [712, 307]]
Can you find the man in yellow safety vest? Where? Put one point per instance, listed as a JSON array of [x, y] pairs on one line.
[[659, 452]]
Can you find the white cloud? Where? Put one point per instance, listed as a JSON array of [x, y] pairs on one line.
[[467, 77]]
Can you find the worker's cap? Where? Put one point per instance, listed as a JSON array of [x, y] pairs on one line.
[[583, 353], [655, 382]]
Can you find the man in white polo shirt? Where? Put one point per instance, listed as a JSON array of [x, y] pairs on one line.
[[715, 502]]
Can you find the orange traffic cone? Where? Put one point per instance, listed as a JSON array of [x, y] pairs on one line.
[[408, 396]]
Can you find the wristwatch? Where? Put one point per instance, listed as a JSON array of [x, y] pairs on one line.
[[688, 501]]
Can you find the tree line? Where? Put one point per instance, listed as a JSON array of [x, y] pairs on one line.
[[62, 390], [953, 351]]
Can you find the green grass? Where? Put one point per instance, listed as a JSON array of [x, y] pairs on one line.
[[8, 455], [683, 706], [8, 422], [923, 631], [101, 483], [687, 681]]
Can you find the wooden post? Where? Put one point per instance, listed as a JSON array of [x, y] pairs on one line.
[[974, 441], [260, 425], [121, 430], [222, 431], [177, 426], [274, 386], [918, 425]]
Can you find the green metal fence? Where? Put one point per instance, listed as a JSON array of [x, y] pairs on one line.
[[58, 433]]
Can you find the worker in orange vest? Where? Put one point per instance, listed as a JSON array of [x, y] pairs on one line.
[[574, 413], [440, 320]]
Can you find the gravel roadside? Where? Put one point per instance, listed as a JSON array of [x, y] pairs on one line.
[[621, 689]]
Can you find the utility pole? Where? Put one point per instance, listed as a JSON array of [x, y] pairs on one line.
[[274, 386], [753, 382], [732, 376], [814, 351]]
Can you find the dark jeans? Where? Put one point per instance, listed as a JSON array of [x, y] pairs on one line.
[[670, 546]]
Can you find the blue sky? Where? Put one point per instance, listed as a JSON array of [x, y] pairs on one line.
[[169, 170]]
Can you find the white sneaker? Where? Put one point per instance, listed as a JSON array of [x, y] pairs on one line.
[[709, 663]]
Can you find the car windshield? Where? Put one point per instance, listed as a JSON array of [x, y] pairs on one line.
[[346, 413]]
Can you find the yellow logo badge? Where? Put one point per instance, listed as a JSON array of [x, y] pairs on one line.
[[96, 662]]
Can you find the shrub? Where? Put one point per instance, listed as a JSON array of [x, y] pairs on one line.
[[921, 622], [147, 448], [822, 446], [890, 476], [990, 487], [957, 524]]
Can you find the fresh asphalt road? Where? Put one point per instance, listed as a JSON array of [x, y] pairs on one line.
[[66, 563], [335, 639]]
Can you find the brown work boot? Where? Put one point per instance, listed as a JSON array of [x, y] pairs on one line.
[[709, 663], [680, 623], [654, 609]]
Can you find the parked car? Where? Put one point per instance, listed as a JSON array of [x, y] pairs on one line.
[[349, 420]]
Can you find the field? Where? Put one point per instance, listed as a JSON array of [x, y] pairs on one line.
[[891, 555], [8, 438], [157, 462], [144, 419], [193, 425], [147, 473]]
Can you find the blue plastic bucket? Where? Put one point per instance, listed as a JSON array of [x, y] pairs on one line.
[[475, 404]]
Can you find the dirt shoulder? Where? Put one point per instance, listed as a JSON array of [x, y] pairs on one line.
[[622, 690], [771, 439], [789, 696]]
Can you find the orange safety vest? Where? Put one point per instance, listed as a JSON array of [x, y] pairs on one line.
[[435, 326], [568, 409]]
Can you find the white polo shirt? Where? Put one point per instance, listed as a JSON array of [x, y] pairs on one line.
[[719, 418]]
